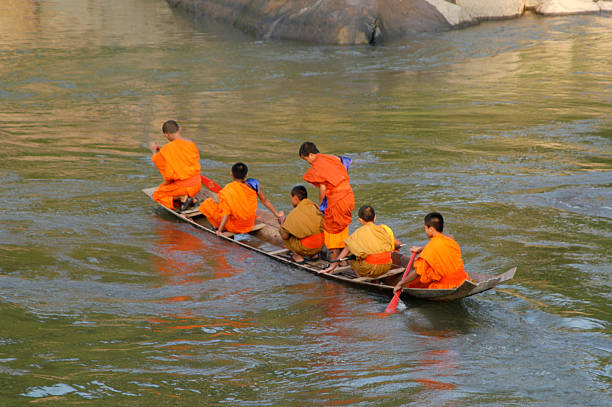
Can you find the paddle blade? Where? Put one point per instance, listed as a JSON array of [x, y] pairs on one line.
[[210, 184], [393, 304]]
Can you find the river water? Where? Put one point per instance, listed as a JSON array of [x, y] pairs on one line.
[[505, 128]]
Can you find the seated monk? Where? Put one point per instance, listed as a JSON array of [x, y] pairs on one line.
[[302, 229], [236, 210], [371, 245], [439, 265], [179, 164]]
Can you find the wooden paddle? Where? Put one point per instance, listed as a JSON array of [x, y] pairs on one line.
[[393, 304], [210, 184]]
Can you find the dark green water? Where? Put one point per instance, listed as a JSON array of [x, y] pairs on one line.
[[505, 128]]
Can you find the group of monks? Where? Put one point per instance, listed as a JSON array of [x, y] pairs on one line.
[[309, 226]]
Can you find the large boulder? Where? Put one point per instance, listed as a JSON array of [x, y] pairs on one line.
[[323, 21], [564, 7], [492, 9], [455, 15], [369, 21], [605, 6], [532, 4]]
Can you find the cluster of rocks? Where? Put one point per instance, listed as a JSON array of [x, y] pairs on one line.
[[460, 13], [370, 21]]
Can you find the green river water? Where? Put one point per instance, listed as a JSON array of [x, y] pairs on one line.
[[105, 300]]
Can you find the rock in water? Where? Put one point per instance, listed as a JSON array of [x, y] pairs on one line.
[[369, 21], [323, 21]]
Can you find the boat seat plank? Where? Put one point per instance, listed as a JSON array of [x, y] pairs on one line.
[[341, 269], [258, 226], [277, 252], [191, 213]]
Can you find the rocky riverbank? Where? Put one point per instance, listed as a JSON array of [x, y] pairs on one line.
[[371, 21]]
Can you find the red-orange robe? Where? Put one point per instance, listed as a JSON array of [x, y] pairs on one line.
[[239, 201], [439, 265], [328, 170], [179, 164]]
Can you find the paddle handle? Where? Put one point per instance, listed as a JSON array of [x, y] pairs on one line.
[[395, 300], [210, 184], [351, 257]]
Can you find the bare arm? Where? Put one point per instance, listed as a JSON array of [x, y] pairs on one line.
[[412, 275], [222, 225], [345, 251], [154, 148], [268, 204], [284, 234]]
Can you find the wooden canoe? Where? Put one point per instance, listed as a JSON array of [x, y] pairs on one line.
[[265, 239]]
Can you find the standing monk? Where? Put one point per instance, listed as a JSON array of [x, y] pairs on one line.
[[439, 265], [179, 164], [329, 173], [302, 229], [236, 210]]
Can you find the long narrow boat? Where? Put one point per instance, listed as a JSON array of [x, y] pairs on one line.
[[265, 239]]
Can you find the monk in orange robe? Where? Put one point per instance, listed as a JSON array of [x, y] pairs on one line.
[[330, 174], [302, 229], [236, 209], [179, 164], [371, 245], [439, 264]]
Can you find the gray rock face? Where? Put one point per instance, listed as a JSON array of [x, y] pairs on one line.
[[369, 21], [323, 21]]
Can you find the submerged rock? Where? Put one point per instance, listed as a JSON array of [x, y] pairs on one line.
[[369, 21]]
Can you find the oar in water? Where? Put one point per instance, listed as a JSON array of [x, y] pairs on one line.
[[210, 184], [393, 304]]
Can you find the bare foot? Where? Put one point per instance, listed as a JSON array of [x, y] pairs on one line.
[[297, 258]]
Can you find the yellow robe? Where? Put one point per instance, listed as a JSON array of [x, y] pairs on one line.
[[239, 201], [439, 265], [179, 164], [305, 226], [371, 240]]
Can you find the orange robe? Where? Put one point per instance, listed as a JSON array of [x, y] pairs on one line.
[[239, 201], [372, 245], [179, 164], [328, 170], [439, 265]]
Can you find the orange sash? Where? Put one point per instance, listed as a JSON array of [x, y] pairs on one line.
[[379, 258], [313, 241]]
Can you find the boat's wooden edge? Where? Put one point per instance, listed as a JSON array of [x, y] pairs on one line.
[[468, 288]]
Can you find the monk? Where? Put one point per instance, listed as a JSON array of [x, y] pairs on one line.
[[236, 210], [302, 229], [439, 265], [330, 174], [179, 164], [371, 245]]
